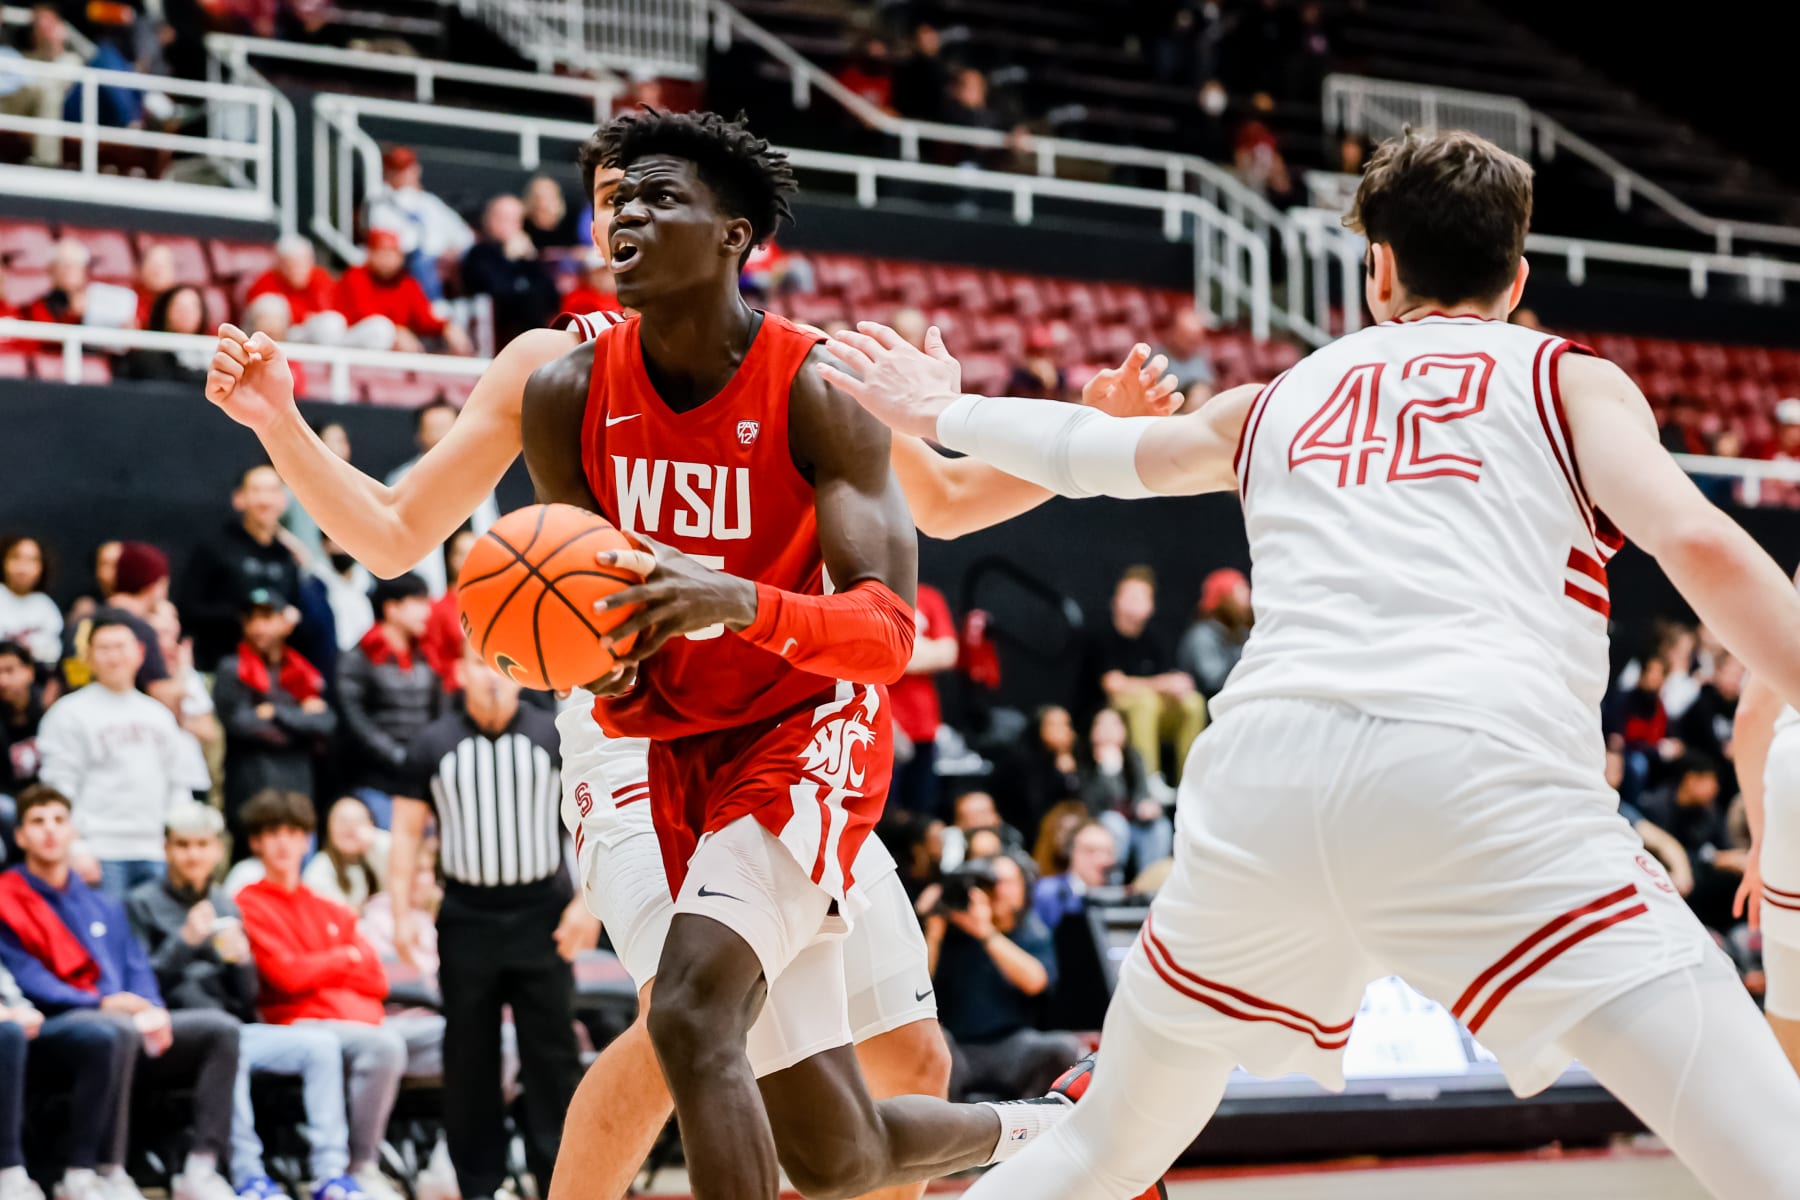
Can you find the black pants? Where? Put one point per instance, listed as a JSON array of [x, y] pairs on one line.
[[496, 949], [1024, 1063], [203, 1058]]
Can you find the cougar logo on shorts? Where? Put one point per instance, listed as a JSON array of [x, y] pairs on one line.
[[584, 799], [1656, 874], [833, 757]]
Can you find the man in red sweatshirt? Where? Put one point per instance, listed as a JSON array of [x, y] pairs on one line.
[[381, 287], [315, 966]]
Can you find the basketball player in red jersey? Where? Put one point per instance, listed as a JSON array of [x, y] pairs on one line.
[[777, 606], [622, 1104]]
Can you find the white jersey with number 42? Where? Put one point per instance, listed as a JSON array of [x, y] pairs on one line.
[[1423, 547]]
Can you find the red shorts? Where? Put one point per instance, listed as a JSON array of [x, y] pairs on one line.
[[816, 779]]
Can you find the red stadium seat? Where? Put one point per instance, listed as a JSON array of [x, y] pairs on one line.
[[111, 258], [985, 373], [190, 257], [813, 309], [95, 369], [218, 307], [391, 388], [22, 287], [25, 246], [241, 260], [14, 364]]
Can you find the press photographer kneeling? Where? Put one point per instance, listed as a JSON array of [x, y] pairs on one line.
[[992, 959]]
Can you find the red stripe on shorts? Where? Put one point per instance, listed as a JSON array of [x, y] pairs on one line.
[[1541, 961], [1789, 904], [1795, 896], [631, 793], [1599, 604], [1524, 947], [1241, 996], [1236, 1014]]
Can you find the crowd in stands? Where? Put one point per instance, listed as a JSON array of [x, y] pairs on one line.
[[131, 962]]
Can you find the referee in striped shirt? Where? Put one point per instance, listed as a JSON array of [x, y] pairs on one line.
[[510, 923]]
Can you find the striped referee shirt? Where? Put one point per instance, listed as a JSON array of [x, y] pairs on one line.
[[496, 796]]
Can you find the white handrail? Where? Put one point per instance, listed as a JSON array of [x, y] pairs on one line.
[[1351, 100], [250, 196], [74, 339], [1326, 244], [604, 89], [663, 37], [1227, 254]]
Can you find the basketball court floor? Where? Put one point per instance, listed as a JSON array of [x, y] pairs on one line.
[[1615, 1175]]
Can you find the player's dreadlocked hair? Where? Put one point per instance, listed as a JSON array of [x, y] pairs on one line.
[[752, 179]]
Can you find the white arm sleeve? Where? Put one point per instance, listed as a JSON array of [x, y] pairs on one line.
[[1071, 449]]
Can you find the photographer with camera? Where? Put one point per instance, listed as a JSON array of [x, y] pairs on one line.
[[991, 959]]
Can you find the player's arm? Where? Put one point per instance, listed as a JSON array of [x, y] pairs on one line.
[[1071, 450], [951, 497], [864, 631], [550, 419], [387, 529], [1732, 584]]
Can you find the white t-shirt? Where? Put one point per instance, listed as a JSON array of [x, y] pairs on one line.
[[34, 620], [119, 758]]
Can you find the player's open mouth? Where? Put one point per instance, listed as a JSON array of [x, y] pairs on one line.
[[624, 255]]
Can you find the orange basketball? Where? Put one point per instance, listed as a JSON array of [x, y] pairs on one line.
[[527, 592]]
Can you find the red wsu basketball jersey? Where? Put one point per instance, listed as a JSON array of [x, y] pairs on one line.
[[717, 482]]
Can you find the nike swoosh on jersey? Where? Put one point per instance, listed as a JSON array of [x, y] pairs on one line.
[[704, 894], [611, 421]]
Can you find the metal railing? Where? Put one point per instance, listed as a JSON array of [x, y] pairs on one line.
[[1382, 108], [1330, 271], [227, 52], [72, 341], [242, 124], [662, 37], [1749, 476], [1228, 256]]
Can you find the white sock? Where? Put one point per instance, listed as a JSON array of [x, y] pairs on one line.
[[11, 1174], [199, 1166], [78, 1174], [111, 1171], [1024, 1121]]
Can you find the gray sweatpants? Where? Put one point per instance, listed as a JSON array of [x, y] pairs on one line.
[[375, 1059]]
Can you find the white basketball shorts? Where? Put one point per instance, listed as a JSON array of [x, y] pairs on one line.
[[1781, 874], [606, 808], [1319, 848]]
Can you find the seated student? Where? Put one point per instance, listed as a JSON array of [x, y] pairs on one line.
[[202, 960], [1089, 856], [351, 864], [316, 969], [75, 1057], [72, 951]]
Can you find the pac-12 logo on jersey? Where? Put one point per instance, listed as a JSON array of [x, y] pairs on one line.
[[747, 431], [710, 502]]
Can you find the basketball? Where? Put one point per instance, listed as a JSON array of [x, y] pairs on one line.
[[527, 592]]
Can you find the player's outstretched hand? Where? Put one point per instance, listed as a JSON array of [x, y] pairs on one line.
[[903, 387], [680, 595], [250, 378], [1137, 387], [1748, 903]]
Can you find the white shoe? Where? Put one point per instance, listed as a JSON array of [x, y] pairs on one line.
[[201, 1185], [80, 1184], [15, 1184], [115, 1184], [374, 1184]]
